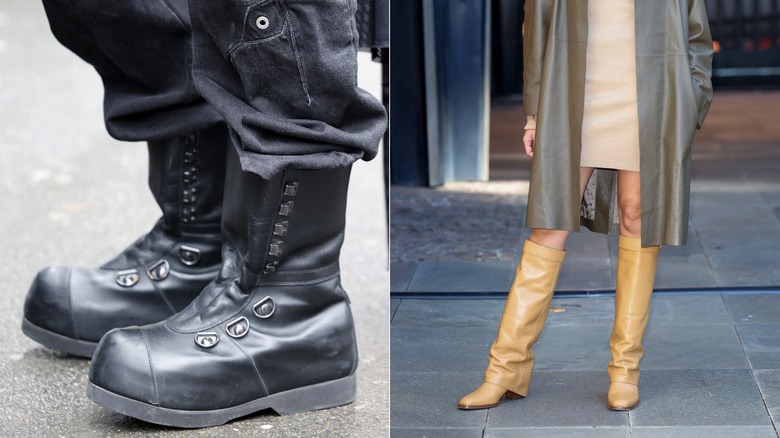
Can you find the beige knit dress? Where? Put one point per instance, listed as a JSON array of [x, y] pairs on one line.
[[610, 125]]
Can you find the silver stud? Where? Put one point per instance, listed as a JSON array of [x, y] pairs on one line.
[[207, 339], [189, 255], [127, 278], [291, 188], [159, 271], [270, 268], [191, 139], [286, 208], [262, 22], [238, 328], [264, 308], [276, 248]]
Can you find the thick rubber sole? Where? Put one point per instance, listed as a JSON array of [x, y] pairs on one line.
[[58, 342], [309, 398]]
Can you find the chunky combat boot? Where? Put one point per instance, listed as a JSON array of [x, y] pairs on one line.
[[512, 356], [274, 330], [70, 309]]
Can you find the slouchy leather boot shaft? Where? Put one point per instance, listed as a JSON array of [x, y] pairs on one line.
[[525, 313], [70, 309], [512, 354], [633, 293]]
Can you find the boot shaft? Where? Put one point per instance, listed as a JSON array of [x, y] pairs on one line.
[[286, 228], [187, 178], [633, 294]]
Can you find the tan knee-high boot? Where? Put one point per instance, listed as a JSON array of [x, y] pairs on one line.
[[511, 356], [635, 276]]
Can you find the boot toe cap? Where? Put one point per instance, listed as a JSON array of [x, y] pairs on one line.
[[48, 301], [122, 366], [486, 396], [622, 396]]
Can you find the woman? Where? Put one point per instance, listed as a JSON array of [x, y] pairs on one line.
[[618, 89]]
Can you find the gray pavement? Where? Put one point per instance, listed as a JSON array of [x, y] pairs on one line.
[[711, 369], [74, 196]]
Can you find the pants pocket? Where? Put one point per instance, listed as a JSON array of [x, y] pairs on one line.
[[268, 61]]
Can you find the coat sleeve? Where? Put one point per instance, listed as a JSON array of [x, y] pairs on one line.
[[700, 56], [535, 30]]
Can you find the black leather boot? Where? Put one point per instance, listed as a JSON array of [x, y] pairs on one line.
[[274, 330], [70, 309]]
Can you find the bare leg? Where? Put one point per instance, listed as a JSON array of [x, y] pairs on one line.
[[629, 204], [556, 239]]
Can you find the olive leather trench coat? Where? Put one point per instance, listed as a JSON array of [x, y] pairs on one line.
[[674, 92]]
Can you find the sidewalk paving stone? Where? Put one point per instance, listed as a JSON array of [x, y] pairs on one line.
[[684, 272], [428, 400], [679, 308], [401, 275], [761, 343], [754, 308], [557, 432], [769, 385], [461, 277], [714, 346], [448, 432], [440, 349], [704, 432], [699, 397]]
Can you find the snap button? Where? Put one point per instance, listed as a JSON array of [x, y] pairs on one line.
[[262, 22]]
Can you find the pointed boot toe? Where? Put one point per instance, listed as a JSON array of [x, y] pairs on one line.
[[486, 396], [622, 396]]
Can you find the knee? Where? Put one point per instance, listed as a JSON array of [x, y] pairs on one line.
[[555, 239], [631, 217]]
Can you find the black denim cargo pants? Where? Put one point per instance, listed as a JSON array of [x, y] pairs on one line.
[[281, 73]]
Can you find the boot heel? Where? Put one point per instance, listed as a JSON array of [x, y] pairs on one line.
[[314, 397], [513, 396]]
